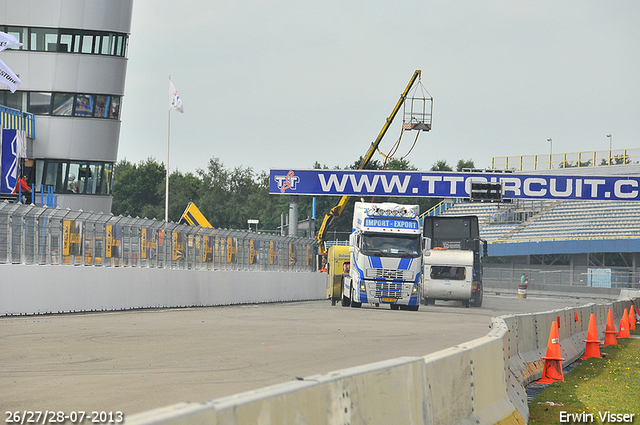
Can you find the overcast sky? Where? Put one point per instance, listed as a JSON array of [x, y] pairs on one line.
[[282, 83]]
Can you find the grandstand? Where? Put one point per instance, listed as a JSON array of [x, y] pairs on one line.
[[527, 221], [574, 242]]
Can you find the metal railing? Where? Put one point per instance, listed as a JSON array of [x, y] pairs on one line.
[[31, 234], [439, 208], [602, 277], [566, 160], [17, 120], [45, 197]]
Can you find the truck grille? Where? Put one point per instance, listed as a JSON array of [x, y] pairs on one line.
[[388, 290], [393, 287], [390, 274]]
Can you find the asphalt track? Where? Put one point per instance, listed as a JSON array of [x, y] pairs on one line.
[[138, 360]]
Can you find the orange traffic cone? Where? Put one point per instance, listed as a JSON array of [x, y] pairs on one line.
[[552, 371], [632, 319], [593, 345], [610, 331], [624, 326]]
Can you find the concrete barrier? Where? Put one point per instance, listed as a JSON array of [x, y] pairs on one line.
[[36, 289], [480, 382], [340, 397]]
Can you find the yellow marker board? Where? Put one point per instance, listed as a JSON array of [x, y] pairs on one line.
[[193, 216]]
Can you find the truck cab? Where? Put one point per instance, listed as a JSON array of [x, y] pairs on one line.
[[386, 248]]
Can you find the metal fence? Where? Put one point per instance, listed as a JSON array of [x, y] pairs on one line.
[[566, 160], [31, 234], [599, 277]]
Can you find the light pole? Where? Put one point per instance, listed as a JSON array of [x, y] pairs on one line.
[[550, 150], [609, 136]]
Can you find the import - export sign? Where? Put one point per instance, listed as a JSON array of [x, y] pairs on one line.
[[451, 184]]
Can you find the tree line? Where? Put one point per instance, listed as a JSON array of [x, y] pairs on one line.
[[228, 197]]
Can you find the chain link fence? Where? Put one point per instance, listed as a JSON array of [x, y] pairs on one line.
[[31, 234]]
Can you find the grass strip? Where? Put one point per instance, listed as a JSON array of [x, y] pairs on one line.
[[595, 389]]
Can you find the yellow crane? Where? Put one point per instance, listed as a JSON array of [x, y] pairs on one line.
[[412, 124]]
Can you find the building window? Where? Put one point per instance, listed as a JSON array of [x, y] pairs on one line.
[[55, 174], [15, 100], [114, 108], [84, 105], [21, 34], [106, 184], [68, 40], [88, 42], [120, 47], [63, 104], [94, 179], [74, 177], [39, 103], [102, 106], [43, 39]]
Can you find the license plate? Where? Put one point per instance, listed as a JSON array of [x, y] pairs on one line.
[[388, 300]]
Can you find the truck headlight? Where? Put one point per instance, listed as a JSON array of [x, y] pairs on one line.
[[414, 290], [363, 287]]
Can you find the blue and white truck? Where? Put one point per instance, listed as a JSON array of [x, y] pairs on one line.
[[386, 251]]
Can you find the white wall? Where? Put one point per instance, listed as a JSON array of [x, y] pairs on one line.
[[89, 14], [35, 289]]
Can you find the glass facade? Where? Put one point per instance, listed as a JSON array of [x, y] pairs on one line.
[[65, 40], [63, 104], [74, 177]]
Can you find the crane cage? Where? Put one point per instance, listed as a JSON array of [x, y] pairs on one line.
[[418, 109], [31, 234]]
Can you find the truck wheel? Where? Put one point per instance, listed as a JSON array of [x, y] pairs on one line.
[[414, 307], [353, 303], [465, 303], [395, 307], [346, 302], [429, 301]]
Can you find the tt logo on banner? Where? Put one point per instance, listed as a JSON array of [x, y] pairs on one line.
[[287, 182]]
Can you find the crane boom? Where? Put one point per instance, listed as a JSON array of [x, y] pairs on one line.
[[337, 210]]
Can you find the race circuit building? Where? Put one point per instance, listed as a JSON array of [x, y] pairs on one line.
[[72, 64]]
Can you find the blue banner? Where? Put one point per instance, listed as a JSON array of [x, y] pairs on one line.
[[9, 163], [450, 184]]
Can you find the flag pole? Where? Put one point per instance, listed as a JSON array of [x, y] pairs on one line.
[[166, 192]]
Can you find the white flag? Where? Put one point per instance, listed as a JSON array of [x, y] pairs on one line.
[[7, 40], [174, 100], [8, 77]]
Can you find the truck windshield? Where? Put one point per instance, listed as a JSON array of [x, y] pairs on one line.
[[391, 245]]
